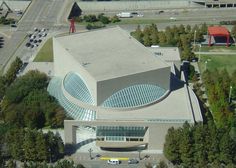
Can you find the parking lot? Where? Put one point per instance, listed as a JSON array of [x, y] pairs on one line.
[[36, 37]]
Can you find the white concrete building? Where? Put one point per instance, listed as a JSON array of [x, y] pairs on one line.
[[107, 79]]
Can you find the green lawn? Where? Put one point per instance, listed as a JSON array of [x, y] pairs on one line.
[[139, 21], [46, 52], [219, 62], [216, 48]]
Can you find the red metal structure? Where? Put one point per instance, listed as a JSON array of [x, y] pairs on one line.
[[72, 25], [218, 31]]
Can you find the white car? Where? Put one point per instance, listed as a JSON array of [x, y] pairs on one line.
[[173, 18], [114, 161]]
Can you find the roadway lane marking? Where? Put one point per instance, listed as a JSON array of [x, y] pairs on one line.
[[119, 158]]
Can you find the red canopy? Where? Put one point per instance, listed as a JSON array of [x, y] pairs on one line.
[[218, 31]]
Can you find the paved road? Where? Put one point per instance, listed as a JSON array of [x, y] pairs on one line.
[[84, 159], [40, 13]]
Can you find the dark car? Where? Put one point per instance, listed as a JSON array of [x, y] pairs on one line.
[[161, 12], [27, 44], [133, 161], [13, 25], [39, 40], [134, 13]]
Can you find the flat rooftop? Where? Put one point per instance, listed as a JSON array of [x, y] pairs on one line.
[[176, 107], [169, 54], [110, 53]]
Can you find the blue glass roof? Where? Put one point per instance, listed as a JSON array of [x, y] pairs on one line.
[[134, 96], [77, 88], [72, 110]]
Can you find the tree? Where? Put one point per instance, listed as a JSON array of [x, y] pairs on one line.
[[114, 19], [138, 34], [171, 146], [188, 29], [12, 71], [233, 31], [200, 152], [27, 103], [162, 38], [55, 146], [146, 40], [185, 146], [103, 19], [90, 18], [2, 87], [14, 139], [162, 164], [203, 28], [226, 147], [41, 147], [30, 152]]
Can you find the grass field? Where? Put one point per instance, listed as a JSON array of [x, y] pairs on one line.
[[218, 48], [46, 52], [212, 62]]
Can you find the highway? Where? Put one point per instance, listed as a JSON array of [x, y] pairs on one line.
[[41, 13]]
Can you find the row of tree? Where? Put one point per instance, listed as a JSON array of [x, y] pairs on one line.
[[59, 164], [27, 103], [99, 18], [10, 76], [218, 91], [200, 145], [178, 36], [33, 145]]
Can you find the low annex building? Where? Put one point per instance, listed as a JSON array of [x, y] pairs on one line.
[[108, 80]]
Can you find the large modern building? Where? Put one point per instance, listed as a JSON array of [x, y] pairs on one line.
[[130, 93]]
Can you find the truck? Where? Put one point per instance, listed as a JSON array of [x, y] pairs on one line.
[[124, 15]]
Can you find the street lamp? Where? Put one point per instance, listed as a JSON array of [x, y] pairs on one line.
[[194, 38], [199, 52], [90, 153], [208, 60], [230, 92], [139, 154], [205, 65]]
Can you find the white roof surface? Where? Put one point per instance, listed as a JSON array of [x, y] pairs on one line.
[[110, 53], [169, 54], [176, 107]]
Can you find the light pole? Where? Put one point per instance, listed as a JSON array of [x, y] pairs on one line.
[[230, 92], [199, 52], [205, 65], [90, 153], [194, 38], [208, 60], [139, 154]]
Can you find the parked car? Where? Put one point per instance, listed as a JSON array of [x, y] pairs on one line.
[[28, 44], [114, 161], [133, 161]]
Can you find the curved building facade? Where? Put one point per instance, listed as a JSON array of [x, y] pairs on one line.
[[108, 80]]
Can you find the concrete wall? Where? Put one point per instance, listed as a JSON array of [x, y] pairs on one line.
[[160, 77], [65, 63], [106, 6], [156, 132]]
